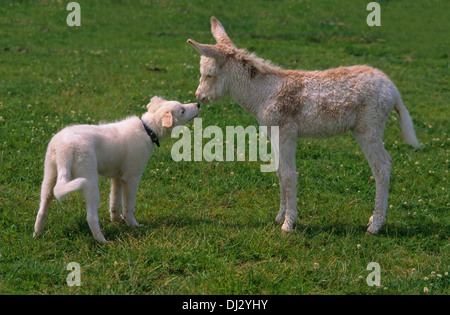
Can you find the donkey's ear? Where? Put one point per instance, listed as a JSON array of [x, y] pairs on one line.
[[219, 33], [210, 51]]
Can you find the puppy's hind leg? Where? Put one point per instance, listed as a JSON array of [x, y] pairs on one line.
[[92, 196], [46, 196]]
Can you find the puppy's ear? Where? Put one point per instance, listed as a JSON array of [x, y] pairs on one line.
[[167, 119], [155, 102], [157, 99]]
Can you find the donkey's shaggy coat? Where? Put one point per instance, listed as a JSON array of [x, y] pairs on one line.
[[307, 104]]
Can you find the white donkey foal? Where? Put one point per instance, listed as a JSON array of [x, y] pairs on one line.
[[307, 104]]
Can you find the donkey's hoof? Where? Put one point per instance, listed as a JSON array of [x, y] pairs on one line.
[[372, 230], [370, 221], [117, 218], [279, 219], [286, 228]]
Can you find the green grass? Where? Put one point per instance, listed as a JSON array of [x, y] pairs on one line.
[[209, 228]]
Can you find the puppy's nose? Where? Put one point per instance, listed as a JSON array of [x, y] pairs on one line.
[[198, 105]]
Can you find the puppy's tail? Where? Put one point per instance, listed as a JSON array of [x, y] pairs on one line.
[[408, 134], [64, 184], [62, 188]]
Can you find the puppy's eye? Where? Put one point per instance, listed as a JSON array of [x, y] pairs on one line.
[[182, 111], [209, 76]]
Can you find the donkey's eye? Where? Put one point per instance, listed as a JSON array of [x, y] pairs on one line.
[[209, 76], [182, 111]]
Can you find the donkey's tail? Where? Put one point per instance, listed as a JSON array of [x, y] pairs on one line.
[[406, 123]]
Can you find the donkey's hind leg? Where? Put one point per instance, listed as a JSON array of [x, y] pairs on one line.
[[380, 163]]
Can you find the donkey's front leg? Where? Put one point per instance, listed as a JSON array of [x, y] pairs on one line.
[[282, 212], [275, 144], [288, 183]]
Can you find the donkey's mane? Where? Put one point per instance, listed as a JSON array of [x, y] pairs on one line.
[[250, 60]]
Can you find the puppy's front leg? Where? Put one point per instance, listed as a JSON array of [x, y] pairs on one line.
[[115, 202], [130, 187]]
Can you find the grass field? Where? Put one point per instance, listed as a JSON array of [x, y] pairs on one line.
[[209, 227]]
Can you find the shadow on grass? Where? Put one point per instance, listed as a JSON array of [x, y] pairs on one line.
[[396, 230], [114, 230]]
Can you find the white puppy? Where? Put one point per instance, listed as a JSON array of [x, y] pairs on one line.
[[78, 154]]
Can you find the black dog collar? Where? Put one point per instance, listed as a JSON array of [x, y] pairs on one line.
[[151, 133]]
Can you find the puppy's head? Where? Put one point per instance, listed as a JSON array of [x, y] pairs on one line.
[[165, 115]]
